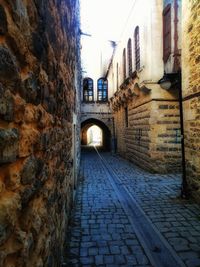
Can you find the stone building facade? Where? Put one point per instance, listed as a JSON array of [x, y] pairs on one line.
[[96, 90], [191, 93], [146, 116], [39, 128]]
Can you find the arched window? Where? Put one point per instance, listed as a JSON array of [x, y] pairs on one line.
[[102, 90], [137, 48], [88, 94], [124, 63], [167, 32], [129, 55], [117, 76]]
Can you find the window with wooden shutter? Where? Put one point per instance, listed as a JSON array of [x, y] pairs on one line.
[[137, 48], [124, 63], [117, 76], [166, 32], [129, 55]]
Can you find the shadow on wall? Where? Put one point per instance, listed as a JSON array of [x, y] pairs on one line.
[[86, 138]]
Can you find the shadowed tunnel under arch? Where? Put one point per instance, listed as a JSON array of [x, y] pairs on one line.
[[106, 135]]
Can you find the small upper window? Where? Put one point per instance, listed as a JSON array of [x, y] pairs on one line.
[[124, 63], [129, 55], [166, 32], [137, 48], [117, 76], [126, 116], [88, 95], [102, 90]]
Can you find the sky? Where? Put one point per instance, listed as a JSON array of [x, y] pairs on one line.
[[105, 21], [105, 18]]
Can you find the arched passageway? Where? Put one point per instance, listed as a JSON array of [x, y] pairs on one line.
[[104, 138], [94, 136]]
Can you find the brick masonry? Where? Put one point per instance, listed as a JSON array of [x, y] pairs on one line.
[[39, 80], [191, 94], [151, 139]]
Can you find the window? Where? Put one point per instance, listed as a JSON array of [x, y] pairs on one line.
[[129, 55], [102, 88], [117, 76], [88, 95], [166, 32], [126, 116], [137, 48], [124, 63]]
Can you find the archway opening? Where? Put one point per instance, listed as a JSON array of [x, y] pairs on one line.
[[102, 138], [94, 136]]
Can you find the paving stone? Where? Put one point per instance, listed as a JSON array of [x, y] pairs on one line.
[[120, 259], [93, 251], [102, 234], [104, 250], [99, 260], [109, 259], [115, 249], [87, 260], [193, 262]]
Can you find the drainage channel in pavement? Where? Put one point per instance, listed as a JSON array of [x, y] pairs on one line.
[[158, 250]]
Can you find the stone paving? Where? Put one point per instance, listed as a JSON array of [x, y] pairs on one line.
[[101, 233]]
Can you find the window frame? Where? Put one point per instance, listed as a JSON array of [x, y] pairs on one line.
[[167, 32], [89, 91], [117, 76], [137, 47], [129, 57], [124, 64], [126, 117], [103, 89]]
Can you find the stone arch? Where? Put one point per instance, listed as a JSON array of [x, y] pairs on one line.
[[85, 125]]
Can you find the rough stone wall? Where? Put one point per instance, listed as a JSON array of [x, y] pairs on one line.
[[191, 93], [39, 44]]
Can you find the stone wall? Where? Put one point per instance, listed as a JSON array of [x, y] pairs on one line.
[[151, 136], [191, 93], [39, 74]]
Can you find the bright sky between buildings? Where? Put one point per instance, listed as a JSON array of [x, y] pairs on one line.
[[105, 21]]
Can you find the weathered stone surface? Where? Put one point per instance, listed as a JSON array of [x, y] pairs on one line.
[[3, 21], [29, 171], [5, 232], [191, 91], [8, 67], [38, 64], [9, 139], [6, 104]]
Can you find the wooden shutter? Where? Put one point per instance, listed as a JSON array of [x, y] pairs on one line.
[[166, 32]]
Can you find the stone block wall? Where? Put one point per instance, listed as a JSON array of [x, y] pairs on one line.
[[39, 70], [191, 94], [152, 138], [165, 136]]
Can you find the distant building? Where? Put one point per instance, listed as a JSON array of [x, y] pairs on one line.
[[95, 109]]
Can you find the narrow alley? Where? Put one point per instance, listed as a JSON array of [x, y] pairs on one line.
[[125, 216], [99, 133]]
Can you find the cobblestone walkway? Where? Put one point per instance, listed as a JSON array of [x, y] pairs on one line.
[[101, 232]]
